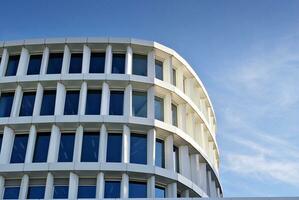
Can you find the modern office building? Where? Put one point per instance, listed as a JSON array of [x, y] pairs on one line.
[[103, 118]]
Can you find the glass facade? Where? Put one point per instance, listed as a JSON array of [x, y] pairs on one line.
[[87, 191], [12, 65], [76, 63], [11, 192], [112, 189], [116, 106], [93, 102], [159, 108], [118, 63], [55, 63], [173, 77], [138, 149], [71, 103], [34, 65], [1, 138], [176, 159], [90, 147], [48, 102], [137, 189], [159, 192], [60, 192], [66, 148], [97, 63], [139, 65], [159, 69], [6, 100], [19, 148], [41, 147], [114, 147], [27, 104], [139, 104], [174, 112], [36, 192], [160, 157]]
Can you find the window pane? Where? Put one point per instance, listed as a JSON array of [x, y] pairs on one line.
[[66, 148], [87, 191], [116, 103], [139, 102], [176, 159], [36, 192], [112, 189], [159, 153], [173, 77], [71, 103], [93, 102], [61, 192], [97, 63], [118, 63], [90, 147], [41, 147], [48, 103], [174, 115], [159, 69], [159, 109], [19, 148], [159, 192], [6, 100], [12, 65], [55, 63], [11, 193], [76, 63], [114, 146], [1, 138], [137, 190], [139, 65], [138, 149], [27, 104], [34, 64]]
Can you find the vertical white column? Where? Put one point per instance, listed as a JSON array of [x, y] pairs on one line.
[[100, 186], [169, 162], [151, 147], [78, 144], [195, 168], [151, 103], [167, 66], [167, 109], [218, 192], [129, 58], [185, 194], [66, 60], [17, 102], [105, 99], [210, 187], [203, 176], [31, 144], [23, 62], [128, 100], [126, 144], [181, 109], [2, 181], [82, 99], [184, 161], [103, 144], [180, 78], [214, 189], [151, 187], [24, 187], [49, 186], [38, 100], [86, 59], [45, 60], [151, 64], [124, 188], [4, 61], [54, 144], [189, 123], [171, 190], [73, 186], [60, 99], [7, 144], [108, 59]]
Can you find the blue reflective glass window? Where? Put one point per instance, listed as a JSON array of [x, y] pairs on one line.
[[139, 104], [174, 112], [173, 77], [159, 69], [118, 63], [116, 103], [159, 153], [114, 146], [112, 189], [41, 147], [61, 192], [6, 100], [36, 192], [48, 103], [19, 148], [137, 189], [139, 65], [11, 193], [76, 63], [93, 102], [159, 108], [27, 104], [12, 65], [1, 138], [87, 191], [138, 149], [159, 192], [71, 103], [90, 147], [55, 63], [97, 63], [34, 64], [66, 148], [176, 159]]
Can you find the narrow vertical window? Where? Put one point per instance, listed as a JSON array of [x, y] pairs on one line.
[[11, 192], [66, 148], [139, 104], [159, 108], [112, 189], [137, 189], [159, 192], [173, 77], [159, 69], [36, 192], [12, 65], [114, 147], [48, 103], [176, 159], [41, 147], [174, 112], [1, 138], [55, 63], [118, 63], [160, 159], [97, 63], [19, 148], [87, 188], [116, 106], [34, 64], [75, 63], [6, 100], [139, 65], [93, 102], [27, 104], [90, 147], [138, 149], [71, 103]]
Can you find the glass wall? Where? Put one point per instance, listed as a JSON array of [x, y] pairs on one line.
[[1, 138], [6, 100], [160, 154], [112, 189], [137, 189], [159, 69], [55, 63], [90, 147], [60, 192], [173, 77], [36, 192], [34, 65], [176, 159], [97, 63], [139, 65], [71, 103], [41, 147], [118, 63], [87, 188], [93, 102], [76, 63], [139, 104], [114, 147], [159, 108], [116, 106], [174, 112], [19, 148], [12, 65], [159, 192], [138, 149], [27, 104], [11, 192], [48, 102], [66, 148]]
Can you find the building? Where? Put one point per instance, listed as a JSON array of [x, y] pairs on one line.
[[104, 118]]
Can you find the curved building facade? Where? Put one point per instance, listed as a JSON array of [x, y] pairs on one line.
[[103, 118]]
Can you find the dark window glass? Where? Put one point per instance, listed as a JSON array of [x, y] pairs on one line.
[[137, 190], [34, 64], [12, 65], [160, 153], [138, 149], [61, 192], [66, 148], [139, 104], [36, 192], [112, 189], [159, 108], [87, 191], [159, 192], [27, 104], [1, 138], [55, 63], [71, 103], [114, 146], [174, 112], [97, 63], [6, 100], [116, 103], [11, 193], [90, 147], [93, 102], [19, 149], [176, 159], [159, 69], [118, 63], [173, 81], [48, 103], [139, 65], [41, 147], [76, 63]]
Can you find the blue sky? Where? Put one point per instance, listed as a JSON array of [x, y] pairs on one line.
[[246, 53]]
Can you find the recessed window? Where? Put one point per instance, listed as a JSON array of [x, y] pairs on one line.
[[66, 148], [173, 77], [159, 192], [139, 65], [90, 147], [87, 188], [6, 100], [27, 104], [114, 147], [48, 103], [138, 149], [11, 192], [175, 154], [34, 64], [174, 112], [41, 147], [139, 104], [75, 63], [159, 108], [55, 63], [19, 148], [93, 102], [116, 103], [60, 192], [36, 192], [159, 69], [97, 63], [71, 103], [12, 65], [160, 157], [118, 63], [137, 189], [112, 189], [1, 138]]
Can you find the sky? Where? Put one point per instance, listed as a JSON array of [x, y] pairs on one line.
[[246, 52]]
